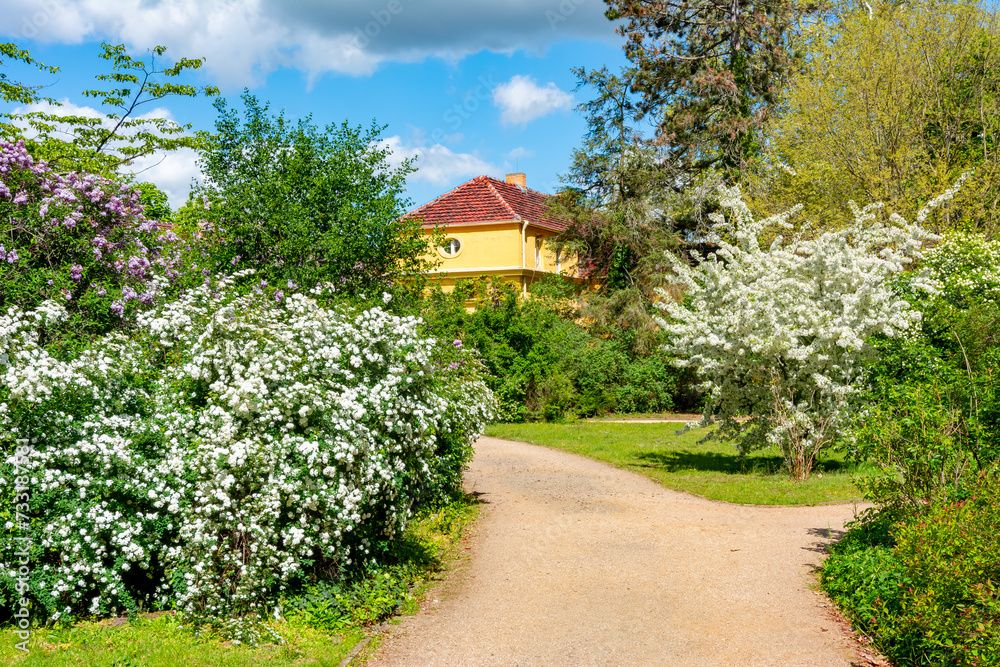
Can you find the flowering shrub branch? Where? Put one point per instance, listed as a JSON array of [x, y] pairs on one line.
[[79, 239], [779, 333], [232, 449]]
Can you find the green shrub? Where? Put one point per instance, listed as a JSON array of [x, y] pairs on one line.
[[952, 557], [934, 410], [543, 363], [918, 437], [926, 589], [649, 384]]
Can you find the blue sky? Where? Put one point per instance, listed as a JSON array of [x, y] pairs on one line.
[[469, 87]]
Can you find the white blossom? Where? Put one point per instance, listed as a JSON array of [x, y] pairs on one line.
[[229, 441], [778, 333]]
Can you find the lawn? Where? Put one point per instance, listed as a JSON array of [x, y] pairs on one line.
[[712, 469], [163, 641], [431, 541]]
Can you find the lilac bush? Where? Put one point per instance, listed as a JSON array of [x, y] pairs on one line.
[[79, 239]]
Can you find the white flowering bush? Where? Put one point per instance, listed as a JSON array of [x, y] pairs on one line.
[[966, 267], [779, 333], [234, 447]]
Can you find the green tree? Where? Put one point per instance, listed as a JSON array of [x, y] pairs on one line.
[[15, 91], [155, 204], [107, 144], [708, 73], [300, 203], [615, 201], [894, 102], [625, 211]]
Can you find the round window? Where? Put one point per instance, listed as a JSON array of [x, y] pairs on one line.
[[451, 247]]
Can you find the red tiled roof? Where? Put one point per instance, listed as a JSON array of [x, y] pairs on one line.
[[485, 199]]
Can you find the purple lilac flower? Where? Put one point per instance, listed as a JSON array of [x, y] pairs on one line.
[[66, 206], [137, 266], [279, 295], [457, 343], [118, 308]]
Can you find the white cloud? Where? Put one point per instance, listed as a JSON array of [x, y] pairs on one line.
[[519, 152], [244, 40], [437, 164], [171, 172], [522, 100], [64, 107]]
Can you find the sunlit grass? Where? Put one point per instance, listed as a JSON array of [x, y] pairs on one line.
[[713, 469], [162, 641]]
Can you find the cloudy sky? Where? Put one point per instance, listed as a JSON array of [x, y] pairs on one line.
[[468, 87]]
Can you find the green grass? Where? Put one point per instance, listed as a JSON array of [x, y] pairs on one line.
[[612, 416], [163, 641], [713, 469], [429, 544]]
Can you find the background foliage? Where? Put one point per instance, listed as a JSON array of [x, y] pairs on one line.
[[543, 362], [307, 205]]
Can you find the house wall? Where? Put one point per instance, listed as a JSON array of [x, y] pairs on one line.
[[495, 249], [483, 246], [549, 261]]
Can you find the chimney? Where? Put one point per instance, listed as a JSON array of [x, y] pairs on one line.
[[518, 179]]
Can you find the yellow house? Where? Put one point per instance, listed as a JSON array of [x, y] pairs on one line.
[[495, 228]]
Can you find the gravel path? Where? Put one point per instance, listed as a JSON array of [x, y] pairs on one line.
[[575, 562]]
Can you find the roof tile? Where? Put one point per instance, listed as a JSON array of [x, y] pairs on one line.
[[485, 199]]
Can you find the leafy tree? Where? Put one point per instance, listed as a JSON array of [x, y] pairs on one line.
[[304, 204], [894, 102], [621, 207], [780, 332], [615, 200], [189, 220], [154, 201], [687, 113], [105, 145], [15, 91], [708, 73]]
